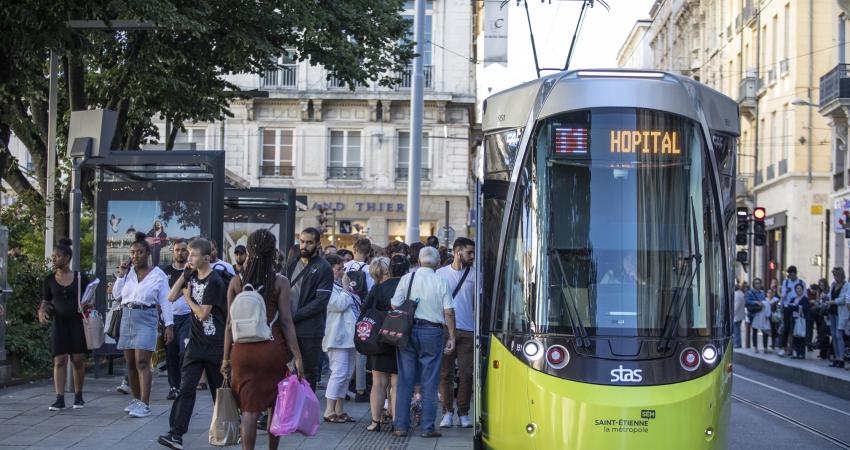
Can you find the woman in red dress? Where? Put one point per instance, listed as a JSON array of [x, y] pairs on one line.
[[257, 367]]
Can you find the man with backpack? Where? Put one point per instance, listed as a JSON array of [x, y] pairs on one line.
[[221, 265], [311, 280], [788, 296], [206, 295], [357, 271], [460, 276]]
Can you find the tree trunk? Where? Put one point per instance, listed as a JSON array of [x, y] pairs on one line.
[[76, 74], [169, 141], [121, 126]]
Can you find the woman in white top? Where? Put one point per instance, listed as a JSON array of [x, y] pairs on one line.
[[761, 321], [141, 287], [339, 342]]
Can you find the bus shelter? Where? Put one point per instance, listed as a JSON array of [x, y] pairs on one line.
[[167, 195], [247, 210]]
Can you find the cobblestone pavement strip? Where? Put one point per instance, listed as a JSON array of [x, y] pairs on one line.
[[25, 423]]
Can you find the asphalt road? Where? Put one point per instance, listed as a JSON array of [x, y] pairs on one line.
[[769, 413]]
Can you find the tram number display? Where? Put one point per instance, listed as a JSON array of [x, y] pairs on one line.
[[646, 141]]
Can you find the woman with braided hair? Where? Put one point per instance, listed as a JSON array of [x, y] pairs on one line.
[[258, 366]]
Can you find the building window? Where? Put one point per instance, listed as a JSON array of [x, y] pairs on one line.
[[427, 56], [278, 151], [197, 136], [403, 166], [344, 161], [286, 75]]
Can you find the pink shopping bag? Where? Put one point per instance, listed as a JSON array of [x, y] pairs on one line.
[[296, 408]]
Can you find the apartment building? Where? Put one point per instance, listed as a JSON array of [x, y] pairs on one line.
[[765, 54]]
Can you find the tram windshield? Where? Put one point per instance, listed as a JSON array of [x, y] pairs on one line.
[[631, 239]]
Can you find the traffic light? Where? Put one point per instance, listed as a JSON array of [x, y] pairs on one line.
[[743, 215], [759, 232]]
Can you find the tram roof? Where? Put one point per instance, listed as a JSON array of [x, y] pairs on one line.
[[581, 89]]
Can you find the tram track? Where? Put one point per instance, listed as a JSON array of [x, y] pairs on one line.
[[829, 438]]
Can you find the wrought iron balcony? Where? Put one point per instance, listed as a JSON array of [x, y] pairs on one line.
[[748, 94], [401, 173], [345, 173], [835, 84], [267, 170], [336, 83], [283, 78], [407, 77]]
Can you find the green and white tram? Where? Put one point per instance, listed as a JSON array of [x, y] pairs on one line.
[[605, 216]]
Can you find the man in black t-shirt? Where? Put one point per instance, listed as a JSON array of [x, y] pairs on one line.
[[205, 293]]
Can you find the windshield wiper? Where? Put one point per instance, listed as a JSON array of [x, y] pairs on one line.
[[575, 320], [692, 262]]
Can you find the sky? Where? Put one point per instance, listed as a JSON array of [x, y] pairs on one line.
[[553, 23]]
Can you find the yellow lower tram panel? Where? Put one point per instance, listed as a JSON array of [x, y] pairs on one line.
[[527, 409]]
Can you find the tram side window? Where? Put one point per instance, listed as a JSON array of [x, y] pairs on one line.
[[518, 280]]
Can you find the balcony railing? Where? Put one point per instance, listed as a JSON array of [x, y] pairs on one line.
[[276, 171], [783, 67], [401, 173], [345, 173], [835, 84], [285, 77], [748, 89], [336, 83], [407, 77]]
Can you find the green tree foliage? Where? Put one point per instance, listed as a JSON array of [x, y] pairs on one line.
[[174, 72], [27, 341]]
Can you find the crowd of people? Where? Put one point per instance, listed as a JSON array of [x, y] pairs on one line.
[[794, 318], [313, 299]]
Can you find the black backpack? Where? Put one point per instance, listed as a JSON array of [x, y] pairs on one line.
[[367, 333], [225, 275], [357, 280]]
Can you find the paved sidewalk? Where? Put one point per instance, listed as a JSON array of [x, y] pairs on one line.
[[25, 423], [811, 372]]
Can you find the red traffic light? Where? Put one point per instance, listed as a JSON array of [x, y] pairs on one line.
[[759, 213]]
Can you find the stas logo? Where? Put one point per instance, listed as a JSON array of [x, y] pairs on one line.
[[626, 375]]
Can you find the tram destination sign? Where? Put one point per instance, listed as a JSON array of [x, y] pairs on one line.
[[646, 141]]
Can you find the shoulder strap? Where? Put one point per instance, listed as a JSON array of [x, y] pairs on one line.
[[460, 283], [79, 291], [409, 286], [300, 274]]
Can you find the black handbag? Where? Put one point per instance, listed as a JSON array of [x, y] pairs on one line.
[[398, 323], [114, 330]]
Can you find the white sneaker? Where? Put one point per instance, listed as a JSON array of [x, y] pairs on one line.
[[464, 422], [141, 410], [132, 405], [124, 388], [448, 420]]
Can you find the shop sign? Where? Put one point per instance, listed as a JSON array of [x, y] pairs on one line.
[[388, 207]]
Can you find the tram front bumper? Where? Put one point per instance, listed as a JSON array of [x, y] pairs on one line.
[[524, 408]]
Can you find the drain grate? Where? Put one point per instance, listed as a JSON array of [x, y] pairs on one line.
[[369, 440]]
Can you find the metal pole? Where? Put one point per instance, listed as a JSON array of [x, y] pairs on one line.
[[811, 81], [52, 103], [76, 209], [417, 104], [447, 224], [333, 227]]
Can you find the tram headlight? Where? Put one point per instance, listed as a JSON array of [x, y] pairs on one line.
[[690, 359], [557, 356], [532, 350], [709, 354]]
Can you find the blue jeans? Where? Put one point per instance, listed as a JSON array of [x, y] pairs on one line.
[[837, 337], [736, 332], [419, 362]]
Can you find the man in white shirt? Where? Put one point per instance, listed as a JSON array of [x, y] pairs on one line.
[[220, 264], [460, 276], [423, 354], [182, 321]]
